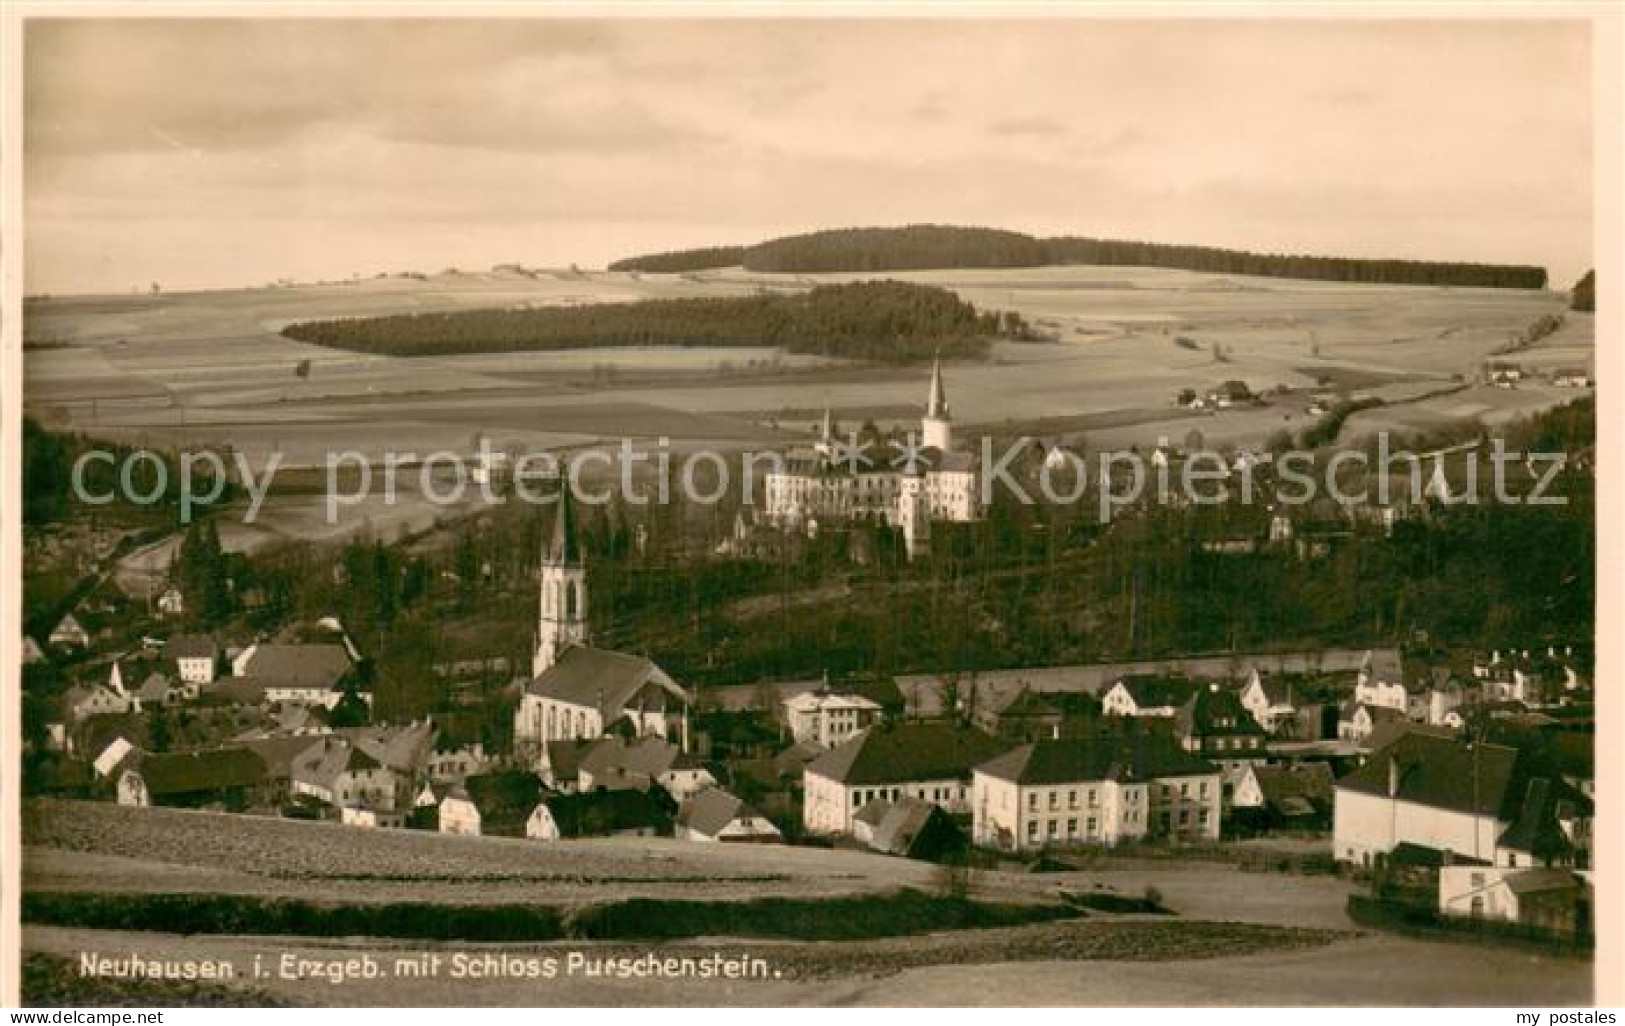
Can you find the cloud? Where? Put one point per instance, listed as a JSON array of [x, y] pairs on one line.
[[1039, 127]]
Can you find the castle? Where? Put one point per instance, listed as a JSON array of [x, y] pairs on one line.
[[921, 480]]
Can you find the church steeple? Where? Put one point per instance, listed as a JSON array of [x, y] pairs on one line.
[[561, 619]]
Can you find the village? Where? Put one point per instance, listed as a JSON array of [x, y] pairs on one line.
[[1455, 787]]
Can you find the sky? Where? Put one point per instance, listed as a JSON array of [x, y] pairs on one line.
[[214, 152]]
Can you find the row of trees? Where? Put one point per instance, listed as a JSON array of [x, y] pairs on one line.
[[48, 459], [883, 321], [929, 246]]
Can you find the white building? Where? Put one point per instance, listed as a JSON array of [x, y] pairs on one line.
[[931, 761], [901, 488], [828, 719], [1474, 801], [1094, 791]]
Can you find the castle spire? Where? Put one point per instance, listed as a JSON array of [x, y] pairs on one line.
[[937, 404], [829, 426]]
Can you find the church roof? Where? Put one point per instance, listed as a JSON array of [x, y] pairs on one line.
[[600, 679]]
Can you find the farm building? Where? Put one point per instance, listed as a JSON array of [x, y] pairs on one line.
[[225, 778], [601, 814], [715, 815]]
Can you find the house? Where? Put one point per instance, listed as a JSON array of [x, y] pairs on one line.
[[1098, 790], [31, 652], [225, 778], [601, 814], [157, 689], [932, 761], [196, 658], [1214, 725], [1481, 801], [1270, 699], [1147, 695], [112, 758], [1299, 796], [826, 719], [340, 774], [493, 805], [613, 764], [171, 602], [1357, 721], [560, 763], [1025, 715], [712, 814], [454, 761], [305, 674], [911, 828], [82, 701], [69, 633], [1228, 394], [1558, 901], [1572, 377]]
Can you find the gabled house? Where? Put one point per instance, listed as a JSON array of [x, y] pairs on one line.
[[931, 761], [69, 633], [301, 674], [713, 814], [826, 718], [601, 814], [223, 778], [196, 658], [911, 828], [1025, 715], [493, 805], [1214, 725], [1457, 797], [1147, 695], [340, 774], [1558, 901], [1357, 721], [1270, 699], [1300, 796], [614, 764]]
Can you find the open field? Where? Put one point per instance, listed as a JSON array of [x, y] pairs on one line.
[[1286, 934], [209, 369]]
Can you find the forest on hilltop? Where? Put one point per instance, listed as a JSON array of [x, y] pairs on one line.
[[883, 321], [924, 247]]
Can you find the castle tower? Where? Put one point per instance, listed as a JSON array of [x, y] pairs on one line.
[[825, 445], [914, 512], [562, 614], [937, 427]]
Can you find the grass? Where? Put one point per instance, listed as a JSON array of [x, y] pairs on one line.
[[901, 913]]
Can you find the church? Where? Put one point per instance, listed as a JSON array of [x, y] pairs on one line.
[[577, 691], [904, 487]]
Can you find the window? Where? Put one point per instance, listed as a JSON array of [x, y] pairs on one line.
[[1032, 830], [1091, 826], [1054, 800], [1072, 828], [1032, 801], [1072, 799], [1054, 827], [1204, 789]]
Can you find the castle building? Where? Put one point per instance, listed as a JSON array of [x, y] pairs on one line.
[[913, 484], [577, 691]]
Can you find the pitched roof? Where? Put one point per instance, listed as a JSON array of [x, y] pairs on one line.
[[209, 770], [288, 665], [1308, 780], [1533, 881], [1153, 691], [278, 752], [711, 809], [601, 679], [1215, 710], [564, 757], [897, 753], [595, 813], [1028, 703], [155, 688], [611, 758], [1125, 757], [322, 763], [1536, 830], [1437, 772], [872, 812], [904, 821], [191, 646], [504, 798]]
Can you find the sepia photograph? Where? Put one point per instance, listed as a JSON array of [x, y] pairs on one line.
[[744, 507]]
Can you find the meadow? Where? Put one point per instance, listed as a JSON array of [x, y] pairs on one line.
[[211, 369]]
